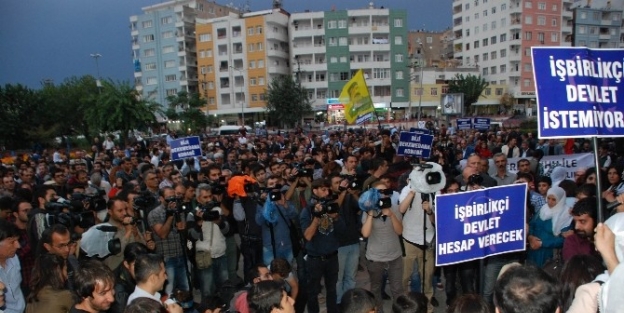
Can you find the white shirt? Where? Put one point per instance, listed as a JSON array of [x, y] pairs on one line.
[[140, 293], [413, 220]]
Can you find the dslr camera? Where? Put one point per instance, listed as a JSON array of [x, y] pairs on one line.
[[353, 182], [208, 212], [327, 207], [475, 179]]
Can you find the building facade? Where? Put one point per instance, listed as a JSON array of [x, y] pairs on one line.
[[163, 47], [328, 48], [598, 25]]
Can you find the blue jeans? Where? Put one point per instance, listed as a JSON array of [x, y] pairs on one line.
[[284, 253], [348, 259], [212, 277], [176, 274], [494, 265]]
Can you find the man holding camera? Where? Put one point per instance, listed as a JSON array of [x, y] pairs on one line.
[[321, 228], [168, 226], [275, 218], [127, 231], [210, 246]]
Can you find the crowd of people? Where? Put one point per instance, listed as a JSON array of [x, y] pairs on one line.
[[128, 228]]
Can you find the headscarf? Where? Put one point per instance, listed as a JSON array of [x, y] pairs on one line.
[[610, 299], [559, 214], [557, 175]]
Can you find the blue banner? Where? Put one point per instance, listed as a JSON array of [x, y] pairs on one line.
[[464, 123], [185, 148], [421, 131], [578, 91], [481, 123], [414, 144], [476, 224]]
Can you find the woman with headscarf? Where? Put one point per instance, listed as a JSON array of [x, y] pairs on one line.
[[547, 227]]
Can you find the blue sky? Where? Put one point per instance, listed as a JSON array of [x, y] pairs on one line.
[[43, 39]]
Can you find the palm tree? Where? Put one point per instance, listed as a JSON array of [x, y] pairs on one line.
[[471, 86], [120, 107]]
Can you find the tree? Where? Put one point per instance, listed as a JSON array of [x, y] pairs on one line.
[[17, 103], [287, 101], [120, 107], [471, 86], [187, 108]]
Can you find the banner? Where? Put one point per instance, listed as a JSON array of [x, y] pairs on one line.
[[357, 102], [464, 123], [476, 224], [578, 91], [481, 123], [571, 162], [415, 144], [185, 148], [420, 131]]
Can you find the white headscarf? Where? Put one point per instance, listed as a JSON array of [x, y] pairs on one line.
[[557, 175], [559, 214], [610, 298]]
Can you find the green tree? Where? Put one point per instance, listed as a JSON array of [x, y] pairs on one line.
[[471, 86], [186, 107], [287, 101], [17, 104], [120, 107]]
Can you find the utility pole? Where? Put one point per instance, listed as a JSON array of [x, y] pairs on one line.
[[299, 84], [242, 94], [97, 56]]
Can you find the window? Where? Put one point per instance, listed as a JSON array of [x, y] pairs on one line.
[[541, 20], [528, 36], [398, 57], [254, 97], [252, 81], [528, 4], [488, 91], [503, 22], [211, 85], [503, 6], [209, 53], [167, 34], [583, 15], [553, 22], [527, 83], [429, 39], [210, 68], [540, 37], [170, 78], [151, 81], [398, 74], [261, 97], [445, 89], [344, 75], [467, 19], [528, 19], [476, 44], [503, 69], [493, 55], [485, 12], [147, 24], [476, 58], [169, 63], [527, 51], [168, 49], [554, 7], [485, 42], [476, 30], [172, 92], [333, 42], [211, 100], [503, 37], [251, 47], [166, 20], [541, 5], [342, 41], [342, 24], [331, 24], [493, 40], [493, 10], [467, 6], [333, 60], [582, 29], [202, 70], [343, 59], [486, 71], [258, 29], [434, 91], [493, 25], [593, 30], [259, 46], [261, 81], [398, 22], [486, 56], [527, 67], [333, 77], [205, 37], [399, 92], [398, 40], [148, 38], [260, 63], [418, 91], [252, 64], [485, 27], [467, 32], [250, 31], [149, 66]]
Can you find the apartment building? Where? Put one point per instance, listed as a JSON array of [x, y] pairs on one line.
[[163, 46], [328, 48], [597, 24]]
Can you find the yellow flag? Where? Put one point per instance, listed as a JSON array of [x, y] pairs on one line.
[[358, 105]]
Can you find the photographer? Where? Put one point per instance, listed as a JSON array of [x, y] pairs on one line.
[[167, 226], [381, 225], [300, 190], [127, 231], [37, 217], [322, 227], [276, 220], [210, 246]]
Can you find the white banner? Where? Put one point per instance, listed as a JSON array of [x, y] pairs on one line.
[[572, 162]]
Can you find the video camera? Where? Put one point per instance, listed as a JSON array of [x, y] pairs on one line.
[[327, 207], [209, 212], [180, 207], [145, 200], [302, 171], [63, 212], [475, 179], [354, 183], [94, 201]]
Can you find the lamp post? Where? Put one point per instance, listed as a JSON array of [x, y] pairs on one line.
[[242, 95], [299, 82], [97, 56]]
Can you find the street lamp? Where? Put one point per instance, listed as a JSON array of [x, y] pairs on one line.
[[242, 94], [97, 56]]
